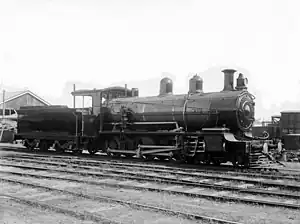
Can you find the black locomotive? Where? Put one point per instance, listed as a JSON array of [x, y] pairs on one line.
[[194, 127]]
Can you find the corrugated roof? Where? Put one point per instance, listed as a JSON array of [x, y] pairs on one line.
[[13, 95]]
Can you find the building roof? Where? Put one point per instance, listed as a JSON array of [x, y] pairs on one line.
[[89, 92], [9, 96], [290, 111]]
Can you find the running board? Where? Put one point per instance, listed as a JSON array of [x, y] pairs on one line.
[[155, 150]]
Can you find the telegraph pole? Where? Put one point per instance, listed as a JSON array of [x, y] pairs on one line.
[[74, 101], [3, 115]]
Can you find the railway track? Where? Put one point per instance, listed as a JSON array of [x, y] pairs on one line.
[[58, 209], [216, 190], [168, 163], [288, 182], [125, 163], [32, 182], [42, 196]]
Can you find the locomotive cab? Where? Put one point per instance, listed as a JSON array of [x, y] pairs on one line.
[[101, 97]]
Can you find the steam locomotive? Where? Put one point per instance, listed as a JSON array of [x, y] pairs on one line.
[[197, 127]]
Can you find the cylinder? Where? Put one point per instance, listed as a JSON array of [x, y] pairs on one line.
[[228, 79]]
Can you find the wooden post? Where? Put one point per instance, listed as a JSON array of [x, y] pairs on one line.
[[76, 125], [3, 108]]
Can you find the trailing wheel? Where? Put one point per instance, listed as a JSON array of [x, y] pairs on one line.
[[146, 141], [114, 144], [92, 151], [191, 160]]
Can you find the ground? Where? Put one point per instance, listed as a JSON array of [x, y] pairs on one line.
[[291, 165], [12, 212]]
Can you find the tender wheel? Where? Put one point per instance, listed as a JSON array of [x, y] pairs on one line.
[[44, 146], [28, 144], [58, 148], [77, 152], [207, 159], [216, 162], [92, 151], [92, 148]]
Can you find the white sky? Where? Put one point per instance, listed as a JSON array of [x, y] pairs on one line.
[[44, 44]]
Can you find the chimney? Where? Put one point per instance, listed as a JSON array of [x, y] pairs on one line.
[[228, 79], [125, 90]]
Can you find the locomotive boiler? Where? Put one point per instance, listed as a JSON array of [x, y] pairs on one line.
[[232, 108], [204, 126]]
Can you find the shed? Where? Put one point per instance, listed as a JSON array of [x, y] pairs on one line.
[[19, 99]]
